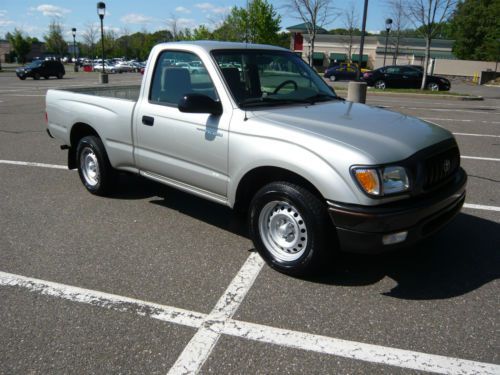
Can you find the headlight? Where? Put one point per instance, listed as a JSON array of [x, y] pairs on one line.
[[383, 180]]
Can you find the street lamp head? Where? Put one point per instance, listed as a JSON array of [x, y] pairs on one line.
[[101, 9], [73, 31], [388, 24]]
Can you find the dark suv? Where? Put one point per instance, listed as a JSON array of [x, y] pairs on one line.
[[41, 68]]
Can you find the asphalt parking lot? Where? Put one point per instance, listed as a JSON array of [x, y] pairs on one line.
[[156, 281]]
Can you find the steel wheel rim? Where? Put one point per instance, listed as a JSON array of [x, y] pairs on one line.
[[433, 87], [89, 166], [380, 85], [283, 231]]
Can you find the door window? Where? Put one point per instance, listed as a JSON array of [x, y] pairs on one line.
[[179, 73]]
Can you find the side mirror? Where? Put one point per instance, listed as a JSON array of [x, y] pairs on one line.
[[198, 103]]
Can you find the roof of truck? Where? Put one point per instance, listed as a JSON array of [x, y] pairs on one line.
[[210, 45]]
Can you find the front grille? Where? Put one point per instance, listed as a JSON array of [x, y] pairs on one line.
[[441, 166]]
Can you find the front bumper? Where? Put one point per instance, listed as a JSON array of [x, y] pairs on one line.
[[361, 228]]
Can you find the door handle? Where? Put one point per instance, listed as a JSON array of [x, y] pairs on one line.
[[147, 120]]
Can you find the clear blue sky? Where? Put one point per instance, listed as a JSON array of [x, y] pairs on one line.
[[33, 17]]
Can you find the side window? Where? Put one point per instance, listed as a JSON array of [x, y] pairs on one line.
[[393, 70], [411, 72], [179, 73]]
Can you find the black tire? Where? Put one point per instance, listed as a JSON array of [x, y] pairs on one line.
[[46, 77], [94, 168], [293, 212], [59, 75], [22, 78], [333, 78], [36, 76]]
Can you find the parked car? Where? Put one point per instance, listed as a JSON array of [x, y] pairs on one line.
[[313, 173], [123, 66], [108, 68], [193, 67], [41, 68], [342, 71], [403, 76]]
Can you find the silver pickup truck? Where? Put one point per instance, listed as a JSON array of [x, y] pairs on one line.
[[255, 128]]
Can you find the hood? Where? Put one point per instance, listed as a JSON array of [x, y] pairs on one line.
[[382, 135]]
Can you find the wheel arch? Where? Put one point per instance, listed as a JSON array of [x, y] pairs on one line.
[[256, 178], [78, 131]]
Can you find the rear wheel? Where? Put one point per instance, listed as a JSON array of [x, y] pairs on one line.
[[59, 75], [22, 78], [94, 168], [333, 78], [288, 225], [36, 76], [46, 77], [380, 85]]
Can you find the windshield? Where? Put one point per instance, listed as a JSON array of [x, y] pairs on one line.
[[270, 77], [35, 64]]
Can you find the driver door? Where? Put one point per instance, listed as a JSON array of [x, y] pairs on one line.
[[188, 150]]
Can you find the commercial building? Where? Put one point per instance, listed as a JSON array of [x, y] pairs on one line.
[[344, 48]]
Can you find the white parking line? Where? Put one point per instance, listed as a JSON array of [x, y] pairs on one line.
[[30, 164], [106, 300], [199, 348], [479, 158], [414, 101], [222, 324], [360, 351], [459, 120], [448, 110], [477, 135], [481, 207]]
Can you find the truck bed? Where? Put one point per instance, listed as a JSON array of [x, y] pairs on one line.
[[130, 92]]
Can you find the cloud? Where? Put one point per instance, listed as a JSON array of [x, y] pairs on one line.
[[5, 23], [182, 23], [3, 12], [138, 19], [182, 10], [50, 10], [221, 10], [211, 8], [205, 6]]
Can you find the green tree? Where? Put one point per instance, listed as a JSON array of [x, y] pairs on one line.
[[259, 24], [263, 22], [202, 33], [54, 41], [476, 28], [20, 44]]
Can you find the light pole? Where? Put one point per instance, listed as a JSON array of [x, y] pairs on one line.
[[73, 31], [362, 41], [388, 25], [101, 11]]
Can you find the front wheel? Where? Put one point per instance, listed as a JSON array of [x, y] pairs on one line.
[[288, 225], [94, 168], [333, 78], [433, 86]]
